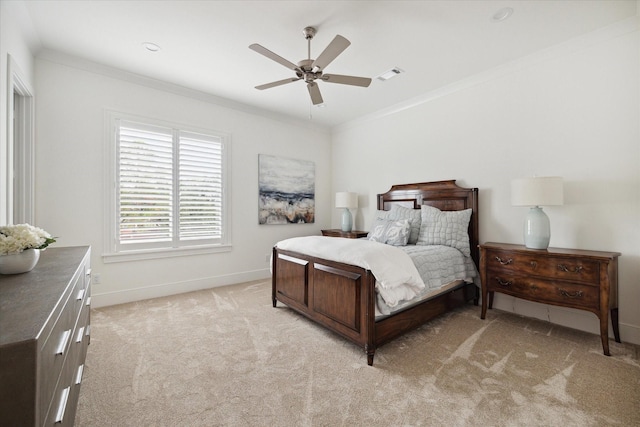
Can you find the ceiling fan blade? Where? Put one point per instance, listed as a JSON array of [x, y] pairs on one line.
[[280, 60], [335, 48], [314, 91], [347, 80], [278, 83]]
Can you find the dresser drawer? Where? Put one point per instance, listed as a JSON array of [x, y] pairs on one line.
[[51, 358], [60, 344], [575, 270], [81, 338], [545, 291], [61, 407]]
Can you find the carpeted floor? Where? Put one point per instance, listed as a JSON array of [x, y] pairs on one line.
[[226, 357]]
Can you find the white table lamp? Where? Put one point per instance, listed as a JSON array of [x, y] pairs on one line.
[[536, 192], [347, 201]]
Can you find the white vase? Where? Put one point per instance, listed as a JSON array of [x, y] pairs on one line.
[[20, 262]]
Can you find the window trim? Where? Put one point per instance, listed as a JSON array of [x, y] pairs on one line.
[[111, 252]]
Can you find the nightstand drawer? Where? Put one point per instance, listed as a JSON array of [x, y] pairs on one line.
[[545, 291], [575, 270]]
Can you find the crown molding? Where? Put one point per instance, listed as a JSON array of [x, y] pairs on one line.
[[105, 70]]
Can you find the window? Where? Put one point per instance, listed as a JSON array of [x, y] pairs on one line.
[[168, 189]]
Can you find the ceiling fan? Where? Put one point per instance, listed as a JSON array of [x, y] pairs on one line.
[[311, 70]]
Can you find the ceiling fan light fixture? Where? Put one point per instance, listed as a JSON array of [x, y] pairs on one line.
[[390, 74]]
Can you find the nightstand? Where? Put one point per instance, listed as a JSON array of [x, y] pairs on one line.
[[586, 280], [353, 234]]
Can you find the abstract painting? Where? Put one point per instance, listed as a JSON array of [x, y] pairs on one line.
[[286, 190]]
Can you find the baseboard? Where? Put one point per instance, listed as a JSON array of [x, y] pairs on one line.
[[571, 318], [138, 294]]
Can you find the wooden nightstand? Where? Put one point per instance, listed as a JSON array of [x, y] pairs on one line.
[[353, 234], [586, 280]]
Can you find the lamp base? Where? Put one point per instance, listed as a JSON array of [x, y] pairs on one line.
[[537, 230], [347, 221]]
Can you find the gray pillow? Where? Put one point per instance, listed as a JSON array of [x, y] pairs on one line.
[[390, 231], [411, 215], [447, 228]]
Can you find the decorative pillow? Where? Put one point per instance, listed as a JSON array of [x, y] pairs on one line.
[[391, 232], [411, 215], [448, 228]]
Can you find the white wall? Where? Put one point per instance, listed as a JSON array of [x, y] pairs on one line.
[[573, 111], [16, 39], [70, 132]]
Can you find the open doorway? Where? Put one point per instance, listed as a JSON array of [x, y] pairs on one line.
[[20, 144]]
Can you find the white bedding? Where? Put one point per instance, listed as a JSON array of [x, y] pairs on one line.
[[404, 274]]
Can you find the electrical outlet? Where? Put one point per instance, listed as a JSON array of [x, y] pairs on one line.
[[97, 278]]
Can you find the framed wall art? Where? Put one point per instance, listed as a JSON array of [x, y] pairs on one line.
[[286, 190]]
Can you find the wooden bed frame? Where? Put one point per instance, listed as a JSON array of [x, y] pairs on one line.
[[342, 297]]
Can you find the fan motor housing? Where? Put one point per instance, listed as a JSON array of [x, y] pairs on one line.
[[306, 67]]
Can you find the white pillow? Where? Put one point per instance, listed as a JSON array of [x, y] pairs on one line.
[[411, 215], [389, 231], [447, 228]]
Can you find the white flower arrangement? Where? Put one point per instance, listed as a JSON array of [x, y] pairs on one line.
[[17, 238]]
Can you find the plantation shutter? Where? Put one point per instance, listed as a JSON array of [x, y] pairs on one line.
[[170, 187], [146, 189], [200, 186]]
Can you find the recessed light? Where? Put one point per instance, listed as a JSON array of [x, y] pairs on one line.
[[390, 74], [502, 14], [151, 47]]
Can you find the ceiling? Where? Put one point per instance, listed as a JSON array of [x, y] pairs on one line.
[[204, 44]]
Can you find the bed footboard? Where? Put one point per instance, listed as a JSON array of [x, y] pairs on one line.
[[338, 296]]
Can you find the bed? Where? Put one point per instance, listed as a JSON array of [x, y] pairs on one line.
[[344, 297]]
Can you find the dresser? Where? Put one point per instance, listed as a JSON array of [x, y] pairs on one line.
[[336, 232], [44, 334], [581, 279]]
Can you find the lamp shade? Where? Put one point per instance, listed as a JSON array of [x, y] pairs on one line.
[[537, 191], [346, 200]]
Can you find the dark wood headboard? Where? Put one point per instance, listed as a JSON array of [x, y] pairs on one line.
[[444, 195]]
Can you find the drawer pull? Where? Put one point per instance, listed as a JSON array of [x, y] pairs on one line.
[[63, 342], [566, 269], [80, 295], [79, 374], [62, 405], [576, 294], [88, 301], [80, 334], [504, 283], [504, 262], [533, 264]]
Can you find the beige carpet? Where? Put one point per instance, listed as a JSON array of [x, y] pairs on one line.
[[226, 357]]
